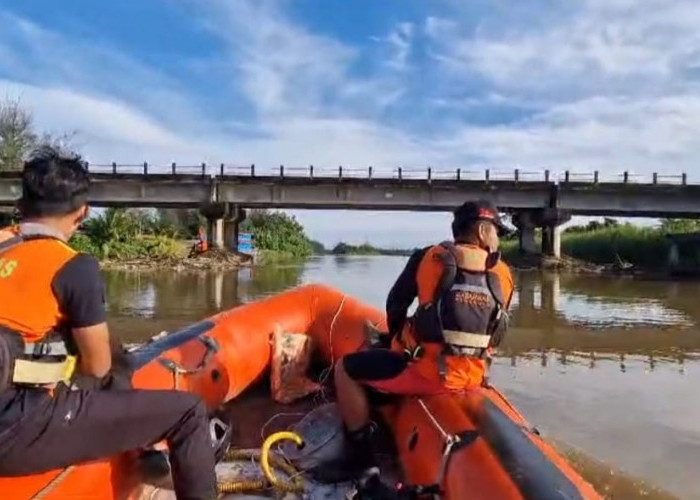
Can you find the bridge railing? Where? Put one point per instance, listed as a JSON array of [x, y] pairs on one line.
[[622, 178], [395, 173], [145, 168]]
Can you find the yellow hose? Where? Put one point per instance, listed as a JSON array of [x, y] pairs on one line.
[[296, 485]]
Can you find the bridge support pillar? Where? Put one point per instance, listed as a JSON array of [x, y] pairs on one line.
[[215, 232], [551, 232], [551, 241], [525, 222], [235, 215], [214, 213]]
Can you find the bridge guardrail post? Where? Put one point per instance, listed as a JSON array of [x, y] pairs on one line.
[[221, 170], [625, 176], [430, 174], [370, 172], [516, 174], [252, 170], [114, 168], [459, 174], [204, 169], [596, 176], [340, 172], [655, 178], [546, 175], [145, 168], [173, 168], [311, 171], [684, 178], [487, 176], [400, 174], [566, 176], [281, 170]]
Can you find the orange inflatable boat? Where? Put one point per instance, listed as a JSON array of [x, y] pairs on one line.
[[471, 445]]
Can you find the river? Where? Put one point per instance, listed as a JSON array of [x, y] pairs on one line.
[[608, 368]]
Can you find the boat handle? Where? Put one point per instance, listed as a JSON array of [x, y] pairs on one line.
[[211, 348]]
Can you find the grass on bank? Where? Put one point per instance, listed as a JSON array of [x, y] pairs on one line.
[[645, 247]]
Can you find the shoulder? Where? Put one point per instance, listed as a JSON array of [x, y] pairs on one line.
[[80, 266], [503, 271], [80, 290], [80, 273]]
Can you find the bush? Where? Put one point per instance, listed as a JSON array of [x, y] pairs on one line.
[[642, 246], [277, 232], [123, 234]]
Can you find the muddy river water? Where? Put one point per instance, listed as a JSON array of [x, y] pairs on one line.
[[606, 367]]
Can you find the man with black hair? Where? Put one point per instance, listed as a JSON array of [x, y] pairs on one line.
[[59, 404], [463, 291]]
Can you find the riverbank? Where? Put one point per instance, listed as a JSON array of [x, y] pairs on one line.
[[211, 260]]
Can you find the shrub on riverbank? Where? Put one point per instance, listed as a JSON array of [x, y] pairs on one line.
[[277, 232], [120, 234], [641, 246], [610, 243]]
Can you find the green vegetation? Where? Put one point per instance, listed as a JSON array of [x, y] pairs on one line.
[[610, 242], [121, 234], [343, 248], [366, 249], [277, 232], [641, 246]]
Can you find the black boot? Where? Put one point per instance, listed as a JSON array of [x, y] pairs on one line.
[[370, 487], [360, 457]]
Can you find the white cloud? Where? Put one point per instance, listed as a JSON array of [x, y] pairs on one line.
[[601, 46]]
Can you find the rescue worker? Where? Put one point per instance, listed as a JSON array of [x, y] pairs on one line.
[[53, 328], [463, 291], [200, 245]]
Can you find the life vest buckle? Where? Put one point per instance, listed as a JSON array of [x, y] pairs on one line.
[[413, 353]]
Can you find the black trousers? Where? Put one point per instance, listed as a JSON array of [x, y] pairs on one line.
[[40, 433]]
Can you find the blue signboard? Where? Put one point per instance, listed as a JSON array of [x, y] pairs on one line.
[[245, 243]]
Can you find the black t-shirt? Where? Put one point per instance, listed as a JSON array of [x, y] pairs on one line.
[[80, 291], [403, 292]]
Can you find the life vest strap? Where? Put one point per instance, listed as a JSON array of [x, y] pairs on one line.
[[46, 349], [466, 339], [42, 372]]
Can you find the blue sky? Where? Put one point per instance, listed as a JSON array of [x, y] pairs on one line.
[[612, 85]]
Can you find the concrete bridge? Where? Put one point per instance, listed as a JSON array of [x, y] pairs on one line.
[[535, 199]]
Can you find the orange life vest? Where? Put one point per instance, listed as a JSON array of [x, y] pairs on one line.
[[30, 315], [463, 296]]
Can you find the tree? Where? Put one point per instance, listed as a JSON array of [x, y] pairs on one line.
[[277, 231], [18, 138], [16, 135], [680, 225]]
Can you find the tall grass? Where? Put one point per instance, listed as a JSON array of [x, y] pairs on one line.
[[641, 246], [644, 247]]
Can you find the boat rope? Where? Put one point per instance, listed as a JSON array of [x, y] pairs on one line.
[[330, 330], [295, 483], [327, 371], [53, 483], [437, 425]]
